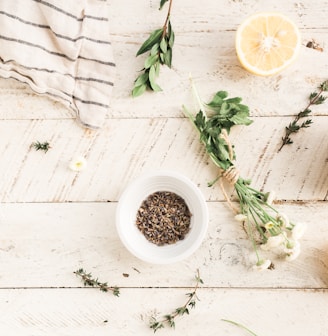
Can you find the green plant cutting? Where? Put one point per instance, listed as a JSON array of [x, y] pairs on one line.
[[265, 226]]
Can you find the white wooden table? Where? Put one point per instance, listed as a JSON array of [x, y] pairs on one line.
[[54, 221]]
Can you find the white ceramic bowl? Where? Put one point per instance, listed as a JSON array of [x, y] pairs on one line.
[[130, 201]]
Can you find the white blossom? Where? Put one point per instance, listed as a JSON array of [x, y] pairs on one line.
[[298, 230], [269, 225], [292, 249], [293, 254], [78, 164], [241, 217], [262, 265], [273, 242], [292, 245], [270, 197], [283, 220]]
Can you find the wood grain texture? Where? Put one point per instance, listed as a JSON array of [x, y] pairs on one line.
[[127, 148], [42, 244], [54, 221], [88, 311]]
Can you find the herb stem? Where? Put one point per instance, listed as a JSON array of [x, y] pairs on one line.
[[89, 281], [240, 326], [167, 18], [315, 98], [169, 318]]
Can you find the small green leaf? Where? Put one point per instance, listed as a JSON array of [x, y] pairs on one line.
[[155, 49], [141, 79], [162, 3], [150, 60], [152, 78], [163, 45], [241, 118], [154, 38], [139, 90], [218, 99], [171, 35], [168, 58]]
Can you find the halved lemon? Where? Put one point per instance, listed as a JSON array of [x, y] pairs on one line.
[[266, 43]]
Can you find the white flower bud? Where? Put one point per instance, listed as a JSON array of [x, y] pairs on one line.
[[77, 164], [269, 225], [262, 265], [292, 245], [273, 242], [298, 230], [283, 220], [271, 197], [240, 217], [295, 252]]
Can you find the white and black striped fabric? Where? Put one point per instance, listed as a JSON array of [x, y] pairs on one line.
[[60, 48]]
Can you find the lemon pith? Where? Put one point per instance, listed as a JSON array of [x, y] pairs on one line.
[[266, 43]]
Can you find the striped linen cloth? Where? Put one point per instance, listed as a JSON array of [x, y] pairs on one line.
[[61, 48]]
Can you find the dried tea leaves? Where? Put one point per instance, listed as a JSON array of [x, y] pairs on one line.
[[164, 218]]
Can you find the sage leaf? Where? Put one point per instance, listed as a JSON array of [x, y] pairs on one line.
[[154, 38], [163, 45], [139, 90], [150, 60], [155, 49], [152, 78], [162, 3], [168, 58], [142, 79], [171, 35]]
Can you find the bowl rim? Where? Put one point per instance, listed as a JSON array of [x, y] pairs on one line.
[[201, 203]]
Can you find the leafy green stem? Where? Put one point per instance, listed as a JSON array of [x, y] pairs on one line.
[[265, 226], [88, 280], [160, 47], [169, 319], [43, 146], [315, 98]]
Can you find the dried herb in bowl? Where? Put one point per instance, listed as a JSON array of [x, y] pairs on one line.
[[163, 218]]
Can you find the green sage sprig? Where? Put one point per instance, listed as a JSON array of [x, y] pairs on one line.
[[169, 319], [43, 146], [315, 98], [160, 45], [88, 280]]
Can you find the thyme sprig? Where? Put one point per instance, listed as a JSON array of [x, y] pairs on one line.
[[265, 226], [88, 280], [169, 319], [160, 45], [43, 146], [315, 98]]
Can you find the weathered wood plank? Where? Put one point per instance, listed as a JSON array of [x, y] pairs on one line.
[[88, 311], [42, 244], [127, 148], [217, 69], [207, 43]]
